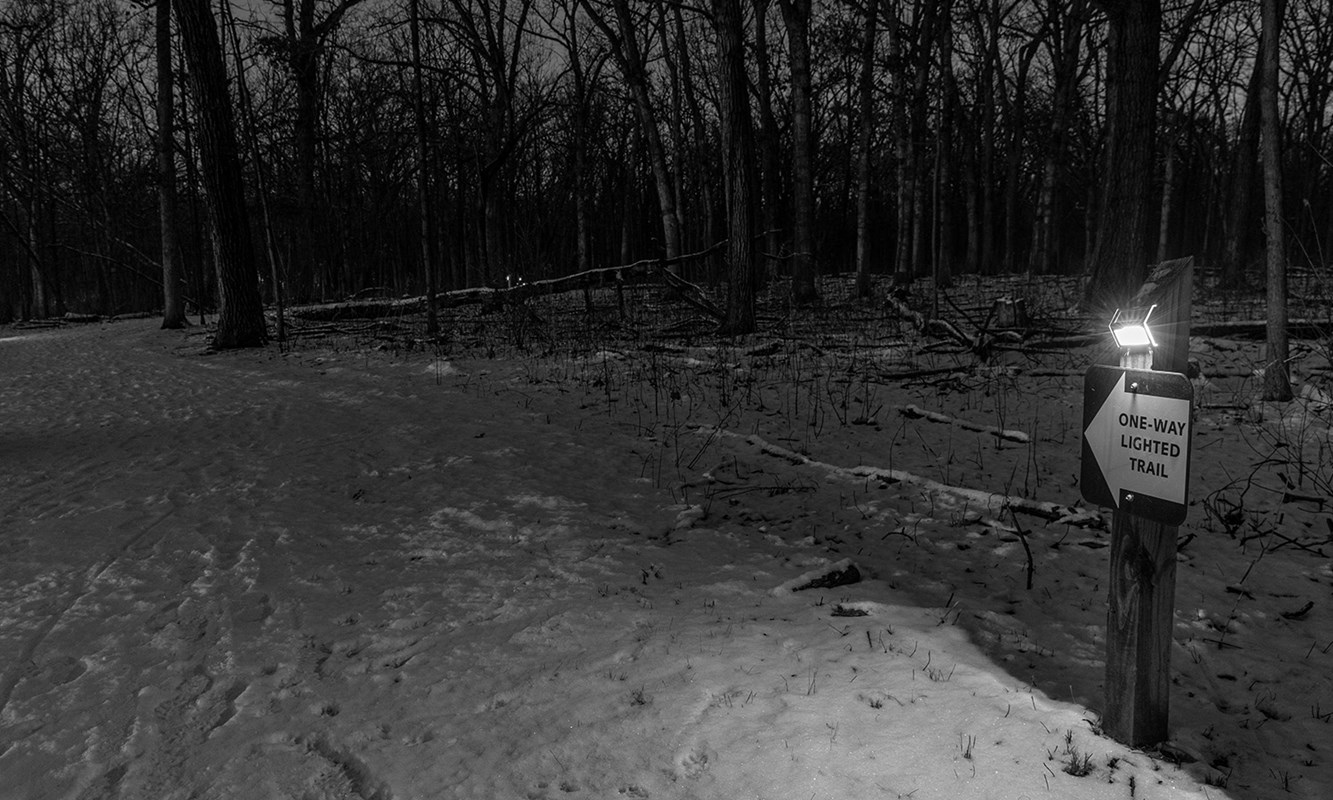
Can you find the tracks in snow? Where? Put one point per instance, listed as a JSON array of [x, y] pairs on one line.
[[10, 677]]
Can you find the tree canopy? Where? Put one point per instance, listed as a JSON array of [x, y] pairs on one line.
[[549, 136]]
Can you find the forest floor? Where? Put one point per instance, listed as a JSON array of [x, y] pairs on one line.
[[562, 561]]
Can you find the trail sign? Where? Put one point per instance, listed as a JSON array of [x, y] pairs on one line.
[[1136, 442]]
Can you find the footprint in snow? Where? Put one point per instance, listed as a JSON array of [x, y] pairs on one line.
[[694, 760]]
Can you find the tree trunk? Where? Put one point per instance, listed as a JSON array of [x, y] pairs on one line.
[[768, 143], [971, 195], [676, 60], [738, 164], [1064, 93], [304, 44], [199, 276], [579, 143], [1016, 117], [40, 304], [240, 310], [303, 63], [796, 18], [946, 168], [1168, 191], [912, 210], [261, 181], [986, 261], [1239, 228], [1277, 379], [424, 211], [1120, 257], [866, 95], [497, 265], [173, 303], [902, 221], [629, 58], [700, 152]]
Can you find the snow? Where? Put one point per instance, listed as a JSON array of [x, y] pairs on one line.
[[351, 573]]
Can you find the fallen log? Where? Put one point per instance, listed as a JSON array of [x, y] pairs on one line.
[[994, 503], [648, 271]]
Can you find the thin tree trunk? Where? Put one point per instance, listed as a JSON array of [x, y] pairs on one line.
[[625, 48], [986, 261], [40, 304], [424, 211], [497, 264], [738, 164], [1017, 121], [192, 181], [768, 145], [302, 61], [579, 145], [915, 245], [699, 153], [1168, 190], [305, 36], [1277, 378], [1065, 90], [902, 240], [173, 303], [971, 195], [946, 170], [866, 96], [796, 18], [629, 196], [675, 60], [1240, 225]]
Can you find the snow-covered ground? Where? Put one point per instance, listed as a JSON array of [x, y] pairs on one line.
[[346, 573]]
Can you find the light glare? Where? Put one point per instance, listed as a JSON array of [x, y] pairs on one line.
[[1133, 336], [1130, 328]]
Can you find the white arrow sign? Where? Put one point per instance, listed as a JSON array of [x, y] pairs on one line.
[[1138, 440]]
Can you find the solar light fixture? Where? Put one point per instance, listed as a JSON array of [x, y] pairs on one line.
[[1130, 328]]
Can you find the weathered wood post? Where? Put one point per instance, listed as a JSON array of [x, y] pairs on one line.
[[1141, 594], [1170, 287]]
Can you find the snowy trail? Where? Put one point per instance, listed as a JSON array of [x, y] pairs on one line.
[[342, 576], [160, 491]]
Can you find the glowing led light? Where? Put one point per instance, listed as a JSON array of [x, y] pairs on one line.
[[1131, 330]]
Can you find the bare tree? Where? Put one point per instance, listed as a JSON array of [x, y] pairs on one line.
[[1067, 21], [1308, 42], [1016, 117], [1240, 227], [796, 19], [944, 251], [1124, 223], [628, 54], [301, 48], [495, 35], [424, 211], [913, 133], [1277, 380], [173, 305], [768, 141], [865, 90], [240, 310], [983, 240], [584, 73], [738, 164], [26, 26], [998, 106]]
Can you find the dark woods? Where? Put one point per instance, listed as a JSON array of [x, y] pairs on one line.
[[316, 149]]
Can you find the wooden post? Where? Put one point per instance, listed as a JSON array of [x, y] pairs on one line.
[[1140, 614]]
